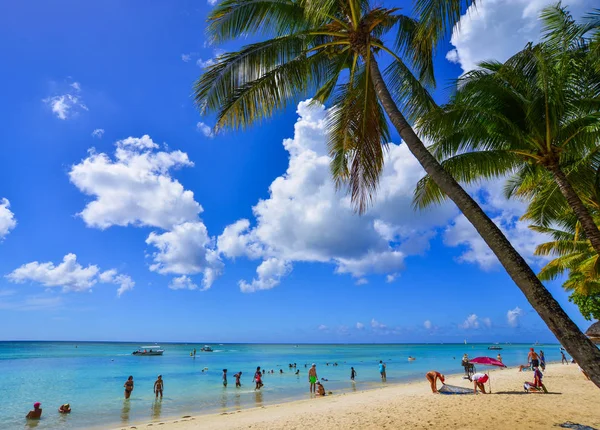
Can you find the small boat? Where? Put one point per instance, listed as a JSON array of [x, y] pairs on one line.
[[495, 347], [411, 358], [149, 350], [206, 348]]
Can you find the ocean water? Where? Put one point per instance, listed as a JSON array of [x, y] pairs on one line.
[[90, 376]]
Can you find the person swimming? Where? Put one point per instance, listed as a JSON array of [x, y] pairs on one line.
[[65, 409]]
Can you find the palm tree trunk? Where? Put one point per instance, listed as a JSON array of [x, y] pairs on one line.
[[583, 215], [565, 330]]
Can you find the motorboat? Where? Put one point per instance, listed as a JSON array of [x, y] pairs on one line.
[[495, 347], [149, 350], [206, 348]]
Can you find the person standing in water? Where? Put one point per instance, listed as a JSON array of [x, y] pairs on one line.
[[258, 378], [352, 373], [158, 386], [224, 377], [36, 414], [237, 377], [128, 387], [312, 378], [382, 370]]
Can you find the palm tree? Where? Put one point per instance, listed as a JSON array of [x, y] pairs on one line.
[[540, 110], [329, 49]]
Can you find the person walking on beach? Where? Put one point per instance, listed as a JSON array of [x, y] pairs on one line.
[[128, 387], [352, 373], [564, 358], [237, 377], [382, 370], [258, 378], [158, 386], [433, 376], [224, 377], [533, 358], [542, 361], [312, 378]]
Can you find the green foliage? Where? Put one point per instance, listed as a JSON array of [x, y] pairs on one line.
[[321, 49], [589, 306]]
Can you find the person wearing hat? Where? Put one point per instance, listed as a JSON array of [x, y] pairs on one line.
[[65, 409], [312, 378], [158, 386], [533, 358], [36, 414]]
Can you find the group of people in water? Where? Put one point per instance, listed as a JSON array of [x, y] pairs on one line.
[[36, 413]]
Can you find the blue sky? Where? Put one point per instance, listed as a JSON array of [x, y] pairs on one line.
[[125, 219]]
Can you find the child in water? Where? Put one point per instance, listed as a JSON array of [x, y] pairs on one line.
[[237, 377]]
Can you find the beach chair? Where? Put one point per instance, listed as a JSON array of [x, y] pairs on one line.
[[469, 370]]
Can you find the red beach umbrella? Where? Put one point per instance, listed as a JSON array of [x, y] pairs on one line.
[[488, 361]]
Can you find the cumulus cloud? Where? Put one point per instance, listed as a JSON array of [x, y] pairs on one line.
[[306, 220], [322, 327], [182, 283], [269, 276], [205, 130], [205, 63], [471, 322], [66, 105], [427, 324], [497, 29], [70, 275], [7, 218], [391, 277], [360, 326], [186, 58], [212, 2], [376, 325], [99, 132], [513, 316], [135, 188], [362, 281]]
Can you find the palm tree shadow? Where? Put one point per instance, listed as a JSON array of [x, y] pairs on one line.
[[520, 393]]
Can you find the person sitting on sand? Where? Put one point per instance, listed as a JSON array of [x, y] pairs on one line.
[[536, 386], [524, 367], [128, 387], [36, 414], [158, 386], [320, 389], [478, 380], [432, 376], [65, 409], [237, 377]]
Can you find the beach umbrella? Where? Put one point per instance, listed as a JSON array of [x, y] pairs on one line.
[[487, 361]]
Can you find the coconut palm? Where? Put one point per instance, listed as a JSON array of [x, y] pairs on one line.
[[330, 50], [539, 111]]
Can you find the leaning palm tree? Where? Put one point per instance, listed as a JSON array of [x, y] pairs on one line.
[[330, 50], [539, 111]]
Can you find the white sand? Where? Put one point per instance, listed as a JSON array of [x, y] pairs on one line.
[[413, 406]]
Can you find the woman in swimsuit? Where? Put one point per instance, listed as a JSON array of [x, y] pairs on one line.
[[128, 387]]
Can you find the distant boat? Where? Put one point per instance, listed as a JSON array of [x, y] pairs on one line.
[[465, 341], [149, 350], [495, 347], [206, 348]]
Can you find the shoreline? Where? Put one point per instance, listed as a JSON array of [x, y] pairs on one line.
[[412, 405]]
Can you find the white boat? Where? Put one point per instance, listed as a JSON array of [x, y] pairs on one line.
[[149, 350], [206, 348]]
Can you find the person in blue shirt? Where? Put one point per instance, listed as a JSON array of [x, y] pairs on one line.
[[382, 370]]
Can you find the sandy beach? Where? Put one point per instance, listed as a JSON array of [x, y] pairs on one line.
[[412, 405]]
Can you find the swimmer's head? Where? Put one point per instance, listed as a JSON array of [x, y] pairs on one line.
[[314, 365], [37, 405]]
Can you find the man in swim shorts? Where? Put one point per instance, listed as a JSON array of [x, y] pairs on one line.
[[478, 380], [312, 378], [533, 358], [158, 386], [382, 371], [432, 376]]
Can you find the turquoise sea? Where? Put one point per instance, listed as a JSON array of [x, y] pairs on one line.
[[90, 376]]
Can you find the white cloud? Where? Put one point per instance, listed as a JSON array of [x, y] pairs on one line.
[[136, 188], [186, 57], [362, 281], [306, 220], [212, 2], [376, 325], [497, 29], [69, 274], [513, 316], [7, 218], [65, 106], [205, 130], [269, 274], [322, 327], [486, 322], [76, 86], [205, 63], [182, 283], [472, 321], [391, 277], [185, 250], [32, 303], [360, 326], [427, 324], [99, 132]]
